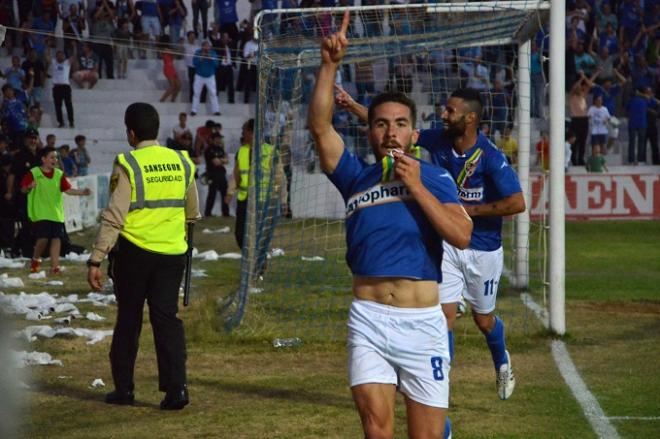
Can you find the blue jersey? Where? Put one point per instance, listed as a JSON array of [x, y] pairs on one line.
[[482, 176], [387, 233]]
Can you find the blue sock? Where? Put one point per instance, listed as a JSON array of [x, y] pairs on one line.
[[495, 340], [447, 428], [450, 337]]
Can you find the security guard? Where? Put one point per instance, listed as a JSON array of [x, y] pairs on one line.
[[153, 195], [241, 178]]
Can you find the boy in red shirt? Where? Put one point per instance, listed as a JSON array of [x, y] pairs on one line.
[[44, 185]]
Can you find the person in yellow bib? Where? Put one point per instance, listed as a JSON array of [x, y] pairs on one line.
[[44, 186], [240, 182], [153, 196]]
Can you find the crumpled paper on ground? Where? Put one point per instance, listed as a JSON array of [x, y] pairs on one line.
[[212, 255], [11, 263], [22, 359], [10, 282], [220, 230], [93, 336], [76, 257], [98, 382], [40, 275], [94, 317]]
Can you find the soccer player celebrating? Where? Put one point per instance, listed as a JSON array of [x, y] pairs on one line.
[[396, 211], [489, 189]]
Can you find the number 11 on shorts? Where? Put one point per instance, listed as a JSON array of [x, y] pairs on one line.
[[488, 287], [436, 365]]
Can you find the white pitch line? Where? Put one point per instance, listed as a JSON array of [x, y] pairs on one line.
[[536, 309], [634, 418], [595, 415]]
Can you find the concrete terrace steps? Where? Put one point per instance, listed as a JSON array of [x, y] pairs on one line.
[[107, 119], [123, 90], [111, 102]]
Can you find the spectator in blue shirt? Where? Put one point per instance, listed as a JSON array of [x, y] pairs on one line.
[[583, 61], [226, 15], [642, 75], [15, 74], [637, 108], [609, 39], [176, 16], [68, 164], [12, 112], [205, 62], [150, 18], [43, 23], [652, 125], [629, 19], [538, 81], [499, 108], [609, 91]]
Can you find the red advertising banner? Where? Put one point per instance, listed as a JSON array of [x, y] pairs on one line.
[[602, 196]]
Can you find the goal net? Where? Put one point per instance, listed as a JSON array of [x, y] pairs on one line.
[[294, 279]]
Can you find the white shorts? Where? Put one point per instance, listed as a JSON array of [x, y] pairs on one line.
[[473, 273], [407, 347]]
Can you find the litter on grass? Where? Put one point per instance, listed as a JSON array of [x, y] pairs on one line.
[[23, 358], [220, 230], [10, 282], [97, 383]]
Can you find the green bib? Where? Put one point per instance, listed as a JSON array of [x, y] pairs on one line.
[[45, 201]]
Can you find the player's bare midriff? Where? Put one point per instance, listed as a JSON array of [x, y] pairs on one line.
[[399, 292]]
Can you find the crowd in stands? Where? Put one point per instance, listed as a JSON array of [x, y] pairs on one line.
[[612, 72]]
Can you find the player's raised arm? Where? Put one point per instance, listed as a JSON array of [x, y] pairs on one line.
[[329, 144], [346, 101]]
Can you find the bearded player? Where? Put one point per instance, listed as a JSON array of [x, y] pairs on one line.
[[489, 190]]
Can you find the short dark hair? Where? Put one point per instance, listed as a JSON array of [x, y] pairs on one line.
[[472, 99], [5, 87], [79, 138], [43, 152], [142, 119], [393, 96], [249, 125]]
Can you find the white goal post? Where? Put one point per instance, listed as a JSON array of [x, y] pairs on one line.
[[287, 42]]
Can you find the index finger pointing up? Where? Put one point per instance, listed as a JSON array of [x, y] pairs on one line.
[[345, 22]]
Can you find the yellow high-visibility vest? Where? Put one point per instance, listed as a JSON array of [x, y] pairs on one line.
[[243, 158], [160, 178]]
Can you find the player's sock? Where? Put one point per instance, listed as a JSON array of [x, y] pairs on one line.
[[450, 337], [495, 340], [447, 434]]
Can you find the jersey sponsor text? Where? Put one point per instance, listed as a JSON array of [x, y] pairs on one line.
[[471, 194], [378, 194]]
